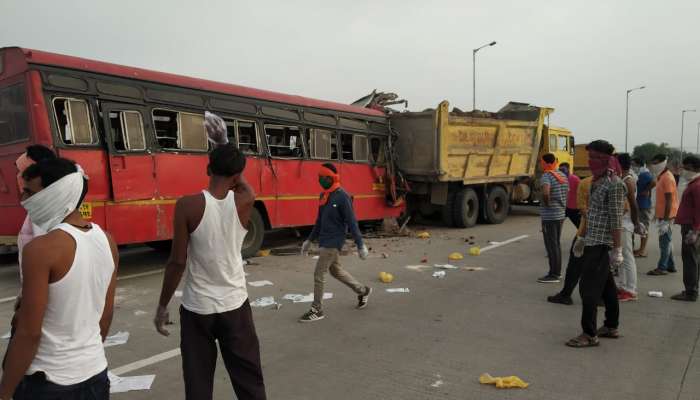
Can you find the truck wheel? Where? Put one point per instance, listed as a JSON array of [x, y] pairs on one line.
[[466, 208], [256, 232], [497, 205], [447, 211]]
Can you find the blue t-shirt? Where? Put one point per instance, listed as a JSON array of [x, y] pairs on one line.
[[643, 193]]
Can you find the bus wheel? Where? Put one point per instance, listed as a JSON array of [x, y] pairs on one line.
[[466, 208], [497, 205], [447, 211], [256, 232]]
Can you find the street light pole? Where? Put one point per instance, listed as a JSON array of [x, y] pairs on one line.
[[682, 128], [627, 112], [474, 72]]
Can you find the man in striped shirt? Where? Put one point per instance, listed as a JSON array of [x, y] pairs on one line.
[[555, 188]]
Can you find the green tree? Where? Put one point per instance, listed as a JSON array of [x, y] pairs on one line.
[[648, 150]]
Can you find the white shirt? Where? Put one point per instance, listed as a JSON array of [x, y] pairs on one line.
[[214, 277]]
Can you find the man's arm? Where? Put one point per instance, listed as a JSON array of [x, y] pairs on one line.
[[668, 197], [632, 201], [350, 220], [695, 195], [108, 312], [176, 264], [37, 258], [245, 200], [617, 208], [546, 190]]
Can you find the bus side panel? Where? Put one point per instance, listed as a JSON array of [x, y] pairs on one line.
[[297, 191], [94, 163], [365, 184], [121, 220], [179, 175]]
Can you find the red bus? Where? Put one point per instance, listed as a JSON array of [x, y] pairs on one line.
[[140, 136]]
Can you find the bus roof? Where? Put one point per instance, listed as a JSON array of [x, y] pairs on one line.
[[59, 60]]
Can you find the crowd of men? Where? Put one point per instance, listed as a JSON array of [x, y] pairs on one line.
[[610, 209]]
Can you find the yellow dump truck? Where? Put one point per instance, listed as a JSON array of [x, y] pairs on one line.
[[581, 161], [471, 166]]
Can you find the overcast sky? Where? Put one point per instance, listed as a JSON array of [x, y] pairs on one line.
[[579, 57]]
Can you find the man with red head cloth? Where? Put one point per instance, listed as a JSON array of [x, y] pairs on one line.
[[335, 217]]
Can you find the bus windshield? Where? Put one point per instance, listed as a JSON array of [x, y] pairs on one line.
[[14, 122]]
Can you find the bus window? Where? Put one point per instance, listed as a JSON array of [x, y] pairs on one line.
[[248, 137], [165, 125], [320, 144], [346, 146], [73, 121], [180, 130], [377, 150], [552, 143], [231, 131], [193, 135], [284, 141], [127, 130], [14, 124], [563, 143], [360, 148], [334, 146]]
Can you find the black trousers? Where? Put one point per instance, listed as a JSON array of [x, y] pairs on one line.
[[235, 332], [573, 272], [551, 231], [574, 215], [36, 387], [596, 281], [691, 263]]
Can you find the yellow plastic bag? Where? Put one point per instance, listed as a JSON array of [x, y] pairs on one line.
[[506, 382], [474, 251], [423, 235], [455, 256], [263, 253], [386, 277]]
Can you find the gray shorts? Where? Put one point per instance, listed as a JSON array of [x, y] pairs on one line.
[[646, 215]]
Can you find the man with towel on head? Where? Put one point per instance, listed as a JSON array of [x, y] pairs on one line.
[[68, 285]]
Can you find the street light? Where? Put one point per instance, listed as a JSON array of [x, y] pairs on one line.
[[683, 126], [474, 72], [627, 112]]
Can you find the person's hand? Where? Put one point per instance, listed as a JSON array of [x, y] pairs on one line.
[[305, 248], [363, 252], [664, 226], [616, 257], [579, 246], [162, 318], [641, 230], [691, 237]]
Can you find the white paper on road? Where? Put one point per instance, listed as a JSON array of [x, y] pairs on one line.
[[300, 298], [121, 384], [398, 290], [139, 313], [116, 339], [263, 302], [446, 266], [419, 268], [5, 336], [260, 283], [178, 293], [439, 274], [656, 293]]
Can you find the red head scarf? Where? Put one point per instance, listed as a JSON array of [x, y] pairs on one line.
[[603, 164], [551, 168], [327, 172]]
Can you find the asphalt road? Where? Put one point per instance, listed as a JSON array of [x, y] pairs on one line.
[[431, 343]]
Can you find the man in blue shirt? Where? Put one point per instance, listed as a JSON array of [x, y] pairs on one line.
[[645, 183], [335, 217]]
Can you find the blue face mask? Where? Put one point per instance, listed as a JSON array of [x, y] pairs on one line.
[[565, 170]]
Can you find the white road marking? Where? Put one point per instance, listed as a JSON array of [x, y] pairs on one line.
[[7, 299], [499, 244], [146, 362]]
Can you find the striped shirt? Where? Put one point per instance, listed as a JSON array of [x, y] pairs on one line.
[[605, 209], [556, 211]]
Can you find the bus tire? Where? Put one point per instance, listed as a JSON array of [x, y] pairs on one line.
[[466, 208], [447, 210], [256, 232], [497, 205]]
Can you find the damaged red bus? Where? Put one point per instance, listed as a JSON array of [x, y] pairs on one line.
[[139, 135]]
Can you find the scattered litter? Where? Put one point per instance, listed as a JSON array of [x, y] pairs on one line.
[[424, 260], [398, 290], [419, 268], [386, 277], [285, 251], [263, 253], [118, 384], [315, 257], [445, 266], [491, 242], [139, 313], [438, 382], [474, 251], [178, 293], [474, 268], [300, 298], [263, 302], [455, 256], [439, 274], [506, 382], [423, 235], [260, 283], [656, 293], [385, 255], [5, 336], [116, 339]]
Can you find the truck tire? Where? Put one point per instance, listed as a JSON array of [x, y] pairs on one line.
[[447, 211], [497, 205], [256, 232], [466, 208]]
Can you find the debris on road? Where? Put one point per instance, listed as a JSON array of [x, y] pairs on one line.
[[139, 313], [656, 293], [300, 298], [121, 384], [439, 274], [424, 260], [385, 255], [260, 283], [474, 251], [439, 382], [263, 253], [419, 268], [398, 290], [263, 302], [474, 268], [455, 256], [5, 336], [445, 266], [386, 277], [116, 339], [423, 235], [315, 257], [506, 382]]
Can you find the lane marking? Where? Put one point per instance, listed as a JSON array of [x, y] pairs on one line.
[[125, 369], [499, 244], [7, 299], [125, 277]]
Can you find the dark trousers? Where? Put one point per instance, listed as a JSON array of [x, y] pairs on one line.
[[36, 387], [573, 272], [551, 231], [574, 215], [691, 263], [596, 281], [238, 342]]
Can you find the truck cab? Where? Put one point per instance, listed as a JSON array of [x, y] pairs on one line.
[[560, 142]]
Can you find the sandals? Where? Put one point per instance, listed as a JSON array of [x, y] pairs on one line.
[[640, 255], [583, 340], [608, 333]]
